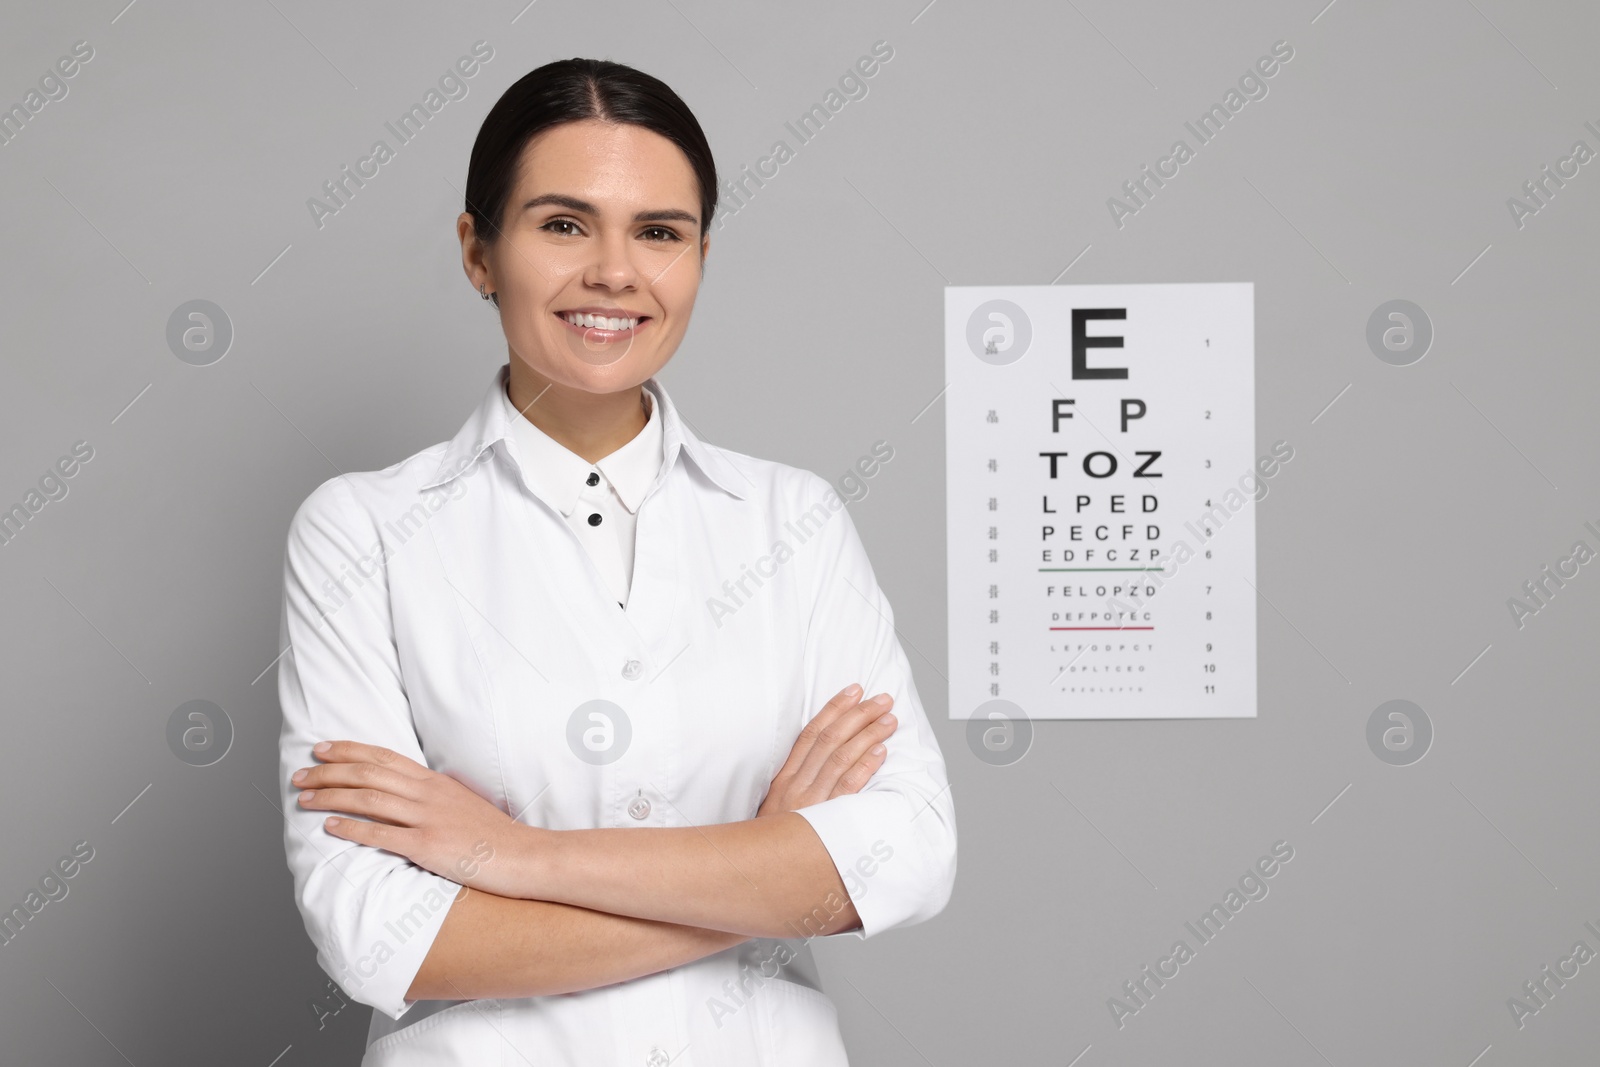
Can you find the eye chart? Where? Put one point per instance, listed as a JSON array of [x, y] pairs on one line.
[[1101, 477]]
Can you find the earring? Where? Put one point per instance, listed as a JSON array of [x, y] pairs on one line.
[[481, 287]]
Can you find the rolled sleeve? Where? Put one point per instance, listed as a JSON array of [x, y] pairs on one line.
[[372, 915], [893, 842]]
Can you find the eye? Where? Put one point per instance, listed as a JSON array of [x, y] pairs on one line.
[[670, 235], [561, 222]]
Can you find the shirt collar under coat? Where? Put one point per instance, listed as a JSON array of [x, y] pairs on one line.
[[558, 474], [490, 422]]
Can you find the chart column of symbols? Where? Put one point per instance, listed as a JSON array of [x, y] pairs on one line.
[[1101, 479]]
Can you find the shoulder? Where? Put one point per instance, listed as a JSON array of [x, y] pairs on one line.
[[801, 511], [354, 504], [783, 487]]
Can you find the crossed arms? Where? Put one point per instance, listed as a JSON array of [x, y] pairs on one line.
[[555, 911]]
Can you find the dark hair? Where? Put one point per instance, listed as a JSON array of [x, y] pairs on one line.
[[569, 90]]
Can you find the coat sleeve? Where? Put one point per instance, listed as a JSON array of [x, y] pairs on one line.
[[372, 915], [893, 842]]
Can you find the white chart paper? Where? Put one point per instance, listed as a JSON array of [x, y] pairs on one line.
[[1101, 473]]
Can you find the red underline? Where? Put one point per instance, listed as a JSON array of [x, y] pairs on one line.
[[1102, 627]]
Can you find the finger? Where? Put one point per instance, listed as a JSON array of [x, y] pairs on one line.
[[356, 752], [838, 732], [358, 776], [855, 779], [849, 753], [841, 702], [373, 803], [376, 834]]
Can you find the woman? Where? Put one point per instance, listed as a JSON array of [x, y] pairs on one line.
[[579, 759]]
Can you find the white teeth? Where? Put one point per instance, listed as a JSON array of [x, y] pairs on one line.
[[600, 322]]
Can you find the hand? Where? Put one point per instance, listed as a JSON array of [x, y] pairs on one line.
[[430, 818], [838, 752]]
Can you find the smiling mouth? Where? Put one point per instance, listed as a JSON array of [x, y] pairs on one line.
[[600, 328]]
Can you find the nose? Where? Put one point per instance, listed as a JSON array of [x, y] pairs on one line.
[[613, 266]]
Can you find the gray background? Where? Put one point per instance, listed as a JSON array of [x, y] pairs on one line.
[[1378, 167]]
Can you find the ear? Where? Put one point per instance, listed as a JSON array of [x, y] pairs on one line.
[[473, 261]]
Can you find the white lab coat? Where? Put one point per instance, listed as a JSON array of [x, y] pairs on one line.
[[441, 608]]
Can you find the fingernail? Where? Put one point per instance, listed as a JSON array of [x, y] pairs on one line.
[[321, 747], [886, 719], [877, 750], [882, 700], [307, 794], [852, 690], [298, 776]]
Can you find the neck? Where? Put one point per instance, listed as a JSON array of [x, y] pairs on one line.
[[591, 425]]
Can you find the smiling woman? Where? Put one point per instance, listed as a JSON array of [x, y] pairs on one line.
[[536, 797], [593, 287]]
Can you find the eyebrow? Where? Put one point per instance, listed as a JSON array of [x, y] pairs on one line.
[[573, 203]]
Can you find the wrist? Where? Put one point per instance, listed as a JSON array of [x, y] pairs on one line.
[[524, 862]]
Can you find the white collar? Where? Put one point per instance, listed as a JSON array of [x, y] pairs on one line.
[[558, 474], [489, 423]]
